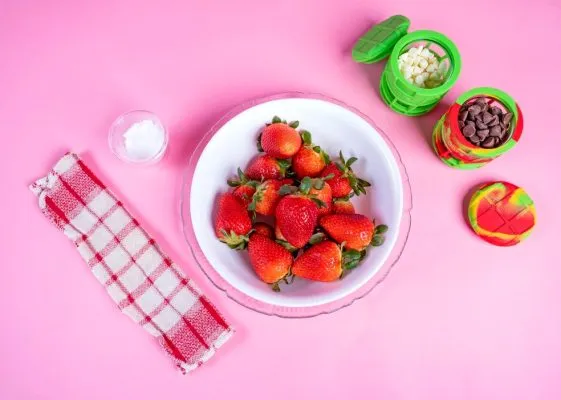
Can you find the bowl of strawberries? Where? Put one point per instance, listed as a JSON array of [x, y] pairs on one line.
[[295, 205]]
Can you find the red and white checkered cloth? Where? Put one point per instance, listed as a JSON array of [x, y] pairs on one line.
[[146, 285]]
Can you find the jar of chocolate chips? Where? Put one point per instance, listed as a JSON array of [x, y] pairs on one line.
[[483, 124]]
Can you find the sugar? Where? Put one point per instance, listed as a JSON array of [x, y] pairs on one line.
[[144, 139]]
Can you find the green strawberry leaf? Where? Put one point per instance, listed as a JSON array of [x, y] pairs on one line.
[[318, 184], [340, 167], [351, 255], [286, 189], [306, 137], [328, 177], [317, 149], [259, 147], [381, 229], [325, 157], [276, 120], [362, 254], [364, 183], [316, 238], [342, 158], [351, 264], [353, 181], [306, 185], [234, 241], [351, 161], [286, 245], [319, 203], [377, 240], [275, 286], [284, 165], [294, 124]]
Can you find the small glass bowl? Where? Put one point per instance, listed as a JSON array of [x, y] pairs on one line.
[[122, 124]]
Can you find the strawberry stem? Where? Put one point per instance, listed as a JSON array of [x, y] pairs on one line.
[[233, 240]]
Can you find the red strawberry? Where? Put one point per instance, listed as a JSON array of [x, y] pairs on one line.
[[270, 261], [244, 188], [278, 233], [296, 217], [264, 229], [245, 194], [342, 206], [344, 181], [232, 222], [325, 195], [279, 139], [325, 262], [267, 167], [267, 196], [310, 160], [354, 230]]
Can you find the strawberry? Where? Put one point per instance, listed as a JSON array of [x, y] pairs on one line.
[[267, 167], [232, 222], [270, 261], [280, 139], [355, 231], [264, 229], [310, 160], [296, 217], [245, 194], [267, 196], [244, 188], [323, 194], [325, 262], [343, 207], [278, 233], [344, 181]]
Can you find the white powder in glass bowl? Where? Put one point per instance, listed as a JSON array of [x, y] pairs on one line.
[[143, 140]]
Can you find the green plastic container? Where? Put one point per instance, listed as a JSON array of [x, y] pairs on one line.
[[389, 38]]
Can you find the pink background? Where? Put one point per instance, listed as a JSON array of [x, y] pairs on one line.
[[457, 319]]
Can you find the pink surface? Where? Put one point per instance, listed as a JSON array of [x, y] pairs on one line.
[[444, 325]]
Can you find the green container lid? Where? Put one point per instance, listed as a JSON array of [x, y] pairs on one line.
[[380, 40], [390, 38]]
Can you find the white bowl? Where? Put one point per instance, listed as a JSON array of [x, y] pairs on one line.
[[334, 128]]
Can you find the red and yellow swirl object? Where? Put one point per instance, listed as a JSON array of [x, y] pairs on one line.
[[502, 213]]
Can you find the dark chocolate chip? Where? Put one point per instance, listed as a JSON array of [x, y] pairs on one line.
[[480, 125], [463, 115], [487, 117], [479, 117], [507, 118], [494, 121], [488, 143], [461, 124], [475, 140], [469, 130], [483, 133], [470, 123], [485, 107], [474, 109], [496, 131], [495, 110]]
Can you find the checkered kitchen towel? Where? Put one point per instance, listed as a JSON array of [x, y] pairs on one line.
[[146, 285]]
